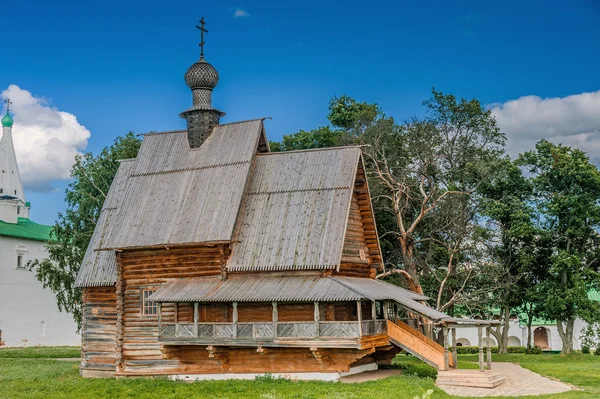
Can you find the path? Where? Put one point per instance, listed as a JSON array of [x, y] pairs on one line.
[[519, 382]]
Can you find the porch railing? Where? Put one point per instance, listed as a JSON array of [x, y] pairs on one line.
[[266, 331]]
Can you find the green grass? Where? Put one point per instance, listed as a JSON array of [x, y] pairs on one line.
[[39, 352], [25, 374]]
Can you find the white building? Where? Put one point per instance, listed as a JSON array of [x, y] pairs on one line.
[[28, 312], [545, 334]]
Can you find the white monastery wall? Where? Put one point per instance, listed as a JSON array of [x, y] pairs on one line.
[[28, 312]]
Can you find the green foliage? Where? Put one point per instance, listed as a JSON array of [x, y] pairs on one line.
[[302, 140], [585, 349], [348, 114], [467, 350], [92, 176], [567, 199], [590, 337]]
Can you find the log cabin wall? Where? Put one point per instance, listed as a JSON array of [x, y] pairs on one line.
[[361, 248], [148, 269], [98, 331], [197, 360]]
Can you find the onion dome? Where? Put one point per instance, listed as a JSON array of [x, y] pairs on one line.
[[7, 121], [201, 75]]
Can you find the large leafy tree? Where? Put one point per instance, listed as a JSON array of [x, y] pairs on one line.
[[92, 176], [567, 198], [426, 175]]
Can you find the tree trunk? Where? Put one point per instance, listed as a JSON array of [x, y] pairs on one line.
[[566, 334], [529, 332], [503, 341]]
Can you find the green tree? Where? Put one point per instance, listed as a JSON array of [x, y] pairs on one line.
[[567, 198], [417, 169], [92, 176]]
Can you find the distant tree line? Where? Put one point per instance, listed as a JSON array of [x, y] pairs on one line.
[[459, 221]]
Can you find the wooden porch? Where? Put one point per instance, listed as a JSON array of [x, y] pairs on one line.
[[318, 332]]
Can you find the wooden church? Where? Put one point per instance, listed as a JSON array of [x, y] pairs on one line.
[[216, 258]]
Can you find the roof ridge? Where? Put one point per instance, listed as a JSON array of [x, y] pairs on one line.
[[342, 147], [244, 121]]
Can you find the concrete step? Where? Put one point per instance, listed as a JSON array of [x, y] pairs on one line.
[[470, 378]]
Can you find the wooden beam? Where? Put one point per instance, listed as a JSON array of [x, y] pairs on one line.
[[489, 350], [480, 343], [359, 315], [454, 350], [317, 317], [446, 351], [235, 319], [373, 311], [196, 318], [275, 318]]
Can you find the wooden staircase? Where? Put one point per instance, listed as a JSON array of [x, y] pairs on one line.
[[470, 378], [412, 341]]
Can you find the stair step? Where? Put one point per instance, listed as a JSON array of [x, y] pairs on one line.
[[470, 378]]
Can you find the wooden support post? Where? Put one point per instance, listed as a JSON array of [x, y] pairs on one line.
[[196, 318], [480, 337], [359, 315], [489, 350], [275, 317], [159, 311], [235, 319], [454, 350], [386, 306], [373, 310], [317, 317], [446, 351]]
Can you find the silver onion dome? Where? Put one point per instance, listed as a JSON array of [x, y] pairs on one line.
[[201, 75]]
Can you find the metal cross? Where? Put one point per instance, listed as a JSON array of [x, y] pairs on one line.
[[8, 102], [202, 30]]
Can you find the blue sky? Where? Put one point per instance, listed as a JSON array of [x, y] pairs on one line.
[[118, 66]]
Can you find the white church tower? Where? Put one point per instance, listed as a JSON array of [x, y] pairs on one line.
[[12, 198], [28, 312]]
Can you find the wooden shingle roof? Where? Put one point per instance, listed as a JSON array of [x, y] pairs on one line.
[[295, 210]]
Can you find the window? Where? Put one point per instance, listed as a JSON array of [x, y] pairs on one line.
[[148, 307], [21, 256], [1, 190], [18, 210]]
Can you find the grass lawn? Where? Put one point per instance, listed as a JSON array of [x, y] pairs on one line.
[[25, 373]]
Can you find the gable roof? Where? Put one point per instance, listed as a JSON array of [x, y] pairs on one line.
[[295, 210], [279, 211], [25, 228], [99, 268], [176, 195]]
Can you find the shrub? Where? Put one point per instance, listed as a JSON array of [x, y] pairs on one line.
[[585, 349], [472, 350], [536, 350], [597, 351]]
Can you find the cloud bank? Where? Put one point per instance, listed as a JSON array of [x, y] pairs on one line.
[[46, 140], [239, 13], [573, 120]]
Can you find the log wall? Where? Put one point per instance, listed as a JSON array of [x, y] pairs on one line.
[[361, 234], [98, 330], [202, 360], [149, 269]]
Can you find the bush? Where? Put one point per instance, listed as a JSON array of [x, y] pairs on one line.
[[597, 352], [472, 350], [585, 349], [536, 350]]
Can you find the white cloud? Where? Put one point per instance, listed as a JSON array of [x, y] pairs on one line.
[[239, 13], [46, 140], [573, 120]]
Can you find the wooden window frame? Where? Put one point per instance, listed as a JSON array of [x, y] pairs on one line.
[[147, 308]]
